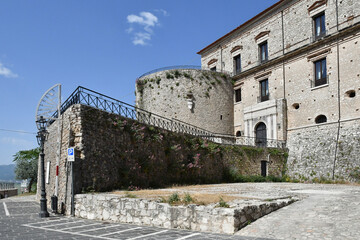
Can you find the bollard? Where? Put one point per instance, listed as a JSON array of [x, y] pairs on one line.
[[54, 203]]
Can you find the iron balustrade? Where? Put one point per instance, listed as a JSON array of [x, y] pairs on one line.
[[97, 100], [6, 185], [100, 101], [320, 82], [315, 38]]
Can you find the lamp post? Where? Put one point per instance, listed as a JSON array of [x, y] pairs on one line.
[[41, 138]]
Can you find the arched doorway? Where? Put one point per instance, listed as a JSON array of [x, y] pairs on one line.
[[260, 132]]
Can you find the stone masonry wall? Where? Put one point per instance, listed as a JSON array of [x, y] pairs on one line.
[[113, 152], [194, 217], [312, 152], [70, 136]]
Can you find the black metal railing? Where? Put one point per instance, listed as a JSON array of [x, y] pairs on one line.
[[322, 35], [97, 100], [318, 82], [100, 101], [7, 185]]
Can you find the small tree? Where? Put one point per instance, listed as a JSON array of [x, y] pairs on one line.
[[27, 165]]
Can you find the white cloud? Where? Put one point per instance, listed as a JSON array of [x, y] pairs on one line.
[[147, 22], [141, 38], [5, 72], [164, 12], [146, 18]]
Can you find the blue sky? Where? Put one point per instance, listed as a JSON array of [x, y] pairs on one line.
[[101, 45]]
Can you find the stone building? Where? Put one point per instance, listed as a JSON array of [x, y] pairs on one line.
[[297, 78], [296, 75]]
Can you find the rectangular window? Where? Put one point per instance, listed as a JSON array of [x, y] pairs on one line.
[[319, 25], [320, 72], [213, 69], [263, 47], [238, 95], [264, 90], [237, 64]]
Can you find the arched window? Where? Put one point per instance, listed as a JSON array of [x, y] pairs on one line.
[[321, 119], [238, 134]]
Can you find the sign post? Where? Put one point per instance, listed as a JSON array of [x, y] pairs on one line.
[[71, 156], [71, 160]]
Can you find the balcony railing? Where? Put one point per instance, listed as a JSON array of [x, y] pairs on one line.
[[315, 38], [319, 82], [260, 142], [263, 98]]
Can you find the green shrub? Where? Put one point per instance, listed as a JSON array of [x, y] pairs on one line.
[[177, 74], [187, 75], [173, 198], [169, 76], [222, 203], [130, 195], [187, 198]]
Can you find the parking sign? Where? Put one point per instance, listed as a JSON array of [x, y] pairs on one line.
[[71, 155]]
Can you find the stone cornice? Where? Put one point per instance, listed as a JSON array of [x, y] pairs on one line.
[[317, 4], [237, 47], [212, 61], [262, 34]]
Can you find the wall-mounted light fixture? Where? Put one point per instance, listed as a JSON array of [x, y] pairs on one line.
[[190, 100]]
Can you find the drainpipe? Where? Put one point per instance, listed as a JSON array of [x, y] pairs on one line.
[[221, 62], [339, 105]]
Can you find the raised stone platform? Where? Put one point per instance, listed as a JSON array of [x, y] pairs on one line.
[[208, 218]]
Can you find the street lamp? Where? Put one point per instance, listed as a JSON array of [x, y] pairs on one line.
[[41, 138]]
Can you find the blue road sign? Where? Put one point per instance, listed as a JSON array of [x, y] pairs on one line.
[[70, 156]]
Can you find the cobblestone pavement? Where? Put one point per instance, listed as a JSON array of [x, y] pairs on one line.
[[325, 212], [19, 220]]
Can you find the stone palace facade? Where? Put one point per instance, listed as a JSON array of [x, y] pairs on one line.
[[295, 69]]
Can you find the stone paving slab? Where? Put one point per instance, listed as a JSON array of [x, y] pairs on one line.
[[325, 212]]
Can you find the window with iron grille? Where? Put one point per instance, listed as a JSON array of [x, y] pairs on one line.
[[319, 25], [263, 49], [320, 72], [264, 90], [237, 64], [238, 95]]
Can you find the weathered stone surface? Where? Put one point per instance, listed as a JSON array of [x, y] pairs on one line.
[[166, 93], [200, 218]]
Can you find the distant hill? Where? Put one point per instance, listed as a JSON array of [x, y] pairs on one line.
[[7, 172]]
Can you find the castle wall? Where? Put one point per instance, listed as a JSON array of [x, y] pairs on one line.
[[166, 93], [312, 152], [113, 152]]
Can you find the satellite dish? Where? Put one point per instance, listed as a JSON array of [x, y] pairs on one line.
[[49, 103]]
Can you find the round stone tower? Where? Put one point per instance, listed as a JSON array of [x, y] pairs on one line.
[[198, 97]]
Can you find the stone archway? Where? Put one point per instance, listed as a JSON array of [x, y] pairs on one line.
[[260, 133]]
